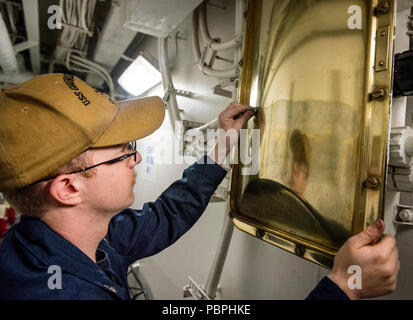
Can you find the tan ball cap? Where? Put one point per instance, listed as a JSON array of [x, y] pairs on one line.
[[51, 119]]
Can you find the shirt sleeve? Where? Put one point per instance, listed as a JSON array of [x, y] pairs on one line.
[[327, 290], [136, 234]]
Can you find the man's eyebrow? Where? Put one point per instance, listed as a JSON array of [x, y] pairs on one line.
[[124, 147]]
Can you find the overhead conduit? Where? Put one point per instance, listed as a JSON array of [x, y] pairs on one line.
[[215, 44], [172, 104], [225, 73]]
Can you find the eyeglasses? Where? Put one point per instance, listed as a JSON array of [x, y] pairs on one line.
[[131, 147]]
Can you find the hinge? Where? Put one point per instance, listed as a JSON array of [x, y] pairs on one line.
[[382, 48]]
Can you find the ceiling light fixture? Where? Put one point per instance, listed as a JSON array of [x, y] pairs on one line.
[[140, 76]]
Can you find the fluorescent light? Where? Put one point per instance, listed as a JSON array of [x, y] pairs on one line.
[[139, 77]]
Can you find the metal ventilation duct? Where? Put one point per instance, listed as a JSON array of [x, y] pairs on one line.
[[158, 17]]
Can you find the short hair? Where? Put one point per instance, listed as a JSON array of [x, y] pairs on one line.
[[31, 200]]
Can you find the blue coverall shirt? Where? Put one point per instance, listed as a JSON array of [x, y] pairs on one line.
[[31, 250]]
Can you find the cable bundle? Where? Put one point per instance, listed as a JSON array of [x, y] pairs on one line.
[[75, 61], [77, 16], [77, 20]]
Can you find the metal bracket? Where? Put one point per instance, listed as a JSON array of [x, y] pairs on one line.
[[222, 92], [396, 218], [178, 36], [196, 291], [183, 93], [177, 92], [24, 46], [219, 88]]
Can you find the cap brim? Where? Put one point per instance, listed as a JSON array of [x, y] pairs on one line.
[[137, 118]]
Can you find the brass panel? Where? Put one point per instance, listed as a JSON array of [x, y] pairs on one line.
[[323, 114]]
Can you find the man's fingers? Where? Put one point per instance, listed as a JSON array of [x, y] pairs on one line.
[[392, 262], [390, 270], [385, 246], [371, 235], [244, 118], [235, 109]]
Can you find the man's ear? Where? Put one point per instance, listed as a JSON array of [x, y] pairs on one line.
[[65, 189]]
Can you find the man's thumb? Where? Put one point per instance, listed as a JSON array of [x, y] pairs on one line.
[[371, 235]]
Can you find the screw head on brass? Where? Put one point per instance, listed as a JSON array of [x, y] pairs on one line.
[[372, 183], [378, 94], [259, 233], [299, 250], [383, 7]]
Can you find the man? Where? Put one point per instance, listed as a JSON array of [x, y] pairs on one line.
[[67, 164]]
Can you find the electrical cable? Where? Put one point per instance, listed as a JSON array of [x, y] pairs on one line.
[[199, 58], [90, 65], [79, 14]]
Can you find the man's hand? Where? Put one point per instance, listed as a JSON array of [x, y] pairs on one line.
[[230, 122], [378, 261]]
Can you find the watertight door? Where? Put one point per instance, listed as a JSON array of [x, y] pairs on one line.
[[320, 73]]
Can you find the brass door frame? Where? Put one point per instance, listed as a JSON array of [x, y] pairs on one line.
[[372, 160]]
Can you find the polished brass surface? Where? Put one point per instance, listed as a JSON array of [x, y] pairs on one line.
[[321, 80]]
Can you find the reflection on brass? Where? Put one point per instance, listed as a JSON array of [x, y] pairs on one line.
[[323, 119]]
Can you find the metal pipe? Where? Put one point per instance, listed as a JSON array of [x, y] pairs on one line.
[[210, 125], [195, 36], [203, 25], [8, 60], [31, 20], [214, 44], [217, 266], [225, 73], [215, 272], [168, 86]]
